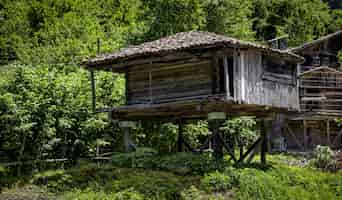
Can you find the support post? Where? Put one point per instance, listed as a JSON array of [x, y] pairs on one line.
[[215, 120], [263, 142], [305, 135], [93, 94], [127, 126], [180, 137], [328, 133], [226, 76], [217, 144]]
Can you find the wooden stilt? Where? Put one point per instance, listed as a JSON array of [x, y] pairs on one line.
[[305, 135], [127, 139], [328, 133], [230, 151], [250, 149], [339, 136], [180, 136], [217, 144], [291, 132], [264, 142], [215, 120], [127, 126]]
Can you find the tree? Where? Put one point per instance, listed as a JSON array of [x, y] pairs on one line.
[[169, 17], [302, 20], [240, 132], [230, 17]]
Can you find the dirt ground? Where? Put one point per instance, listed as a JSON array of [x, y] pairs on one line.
[[29, 192]]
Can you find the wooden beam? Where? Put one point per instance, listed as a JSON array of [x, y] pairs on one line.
[[294, 136], [226, 76], [250, 149], [180, 136], [229, 150], [93, 93], [264, 142], [150, 86], [328, 133], [217, 143], [305, 134], [242, 75], [339, 135], [127, 126]]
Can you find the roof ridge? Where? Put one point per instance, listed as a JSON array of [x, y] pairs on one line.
[[182, 41]]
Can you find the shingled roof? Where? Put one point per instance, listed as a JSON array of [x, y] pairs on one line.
[[182, 41], [314, 42]]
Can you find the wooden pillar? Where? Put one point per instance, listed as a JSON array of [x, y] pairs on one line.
[[264, 142], [128, 143], [328, 133], [180, 137], [305, 135], [215, 120], [93, 93], [226, 76]]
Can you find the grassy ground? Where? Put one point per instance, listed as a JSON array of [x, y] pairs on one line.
[[196, 180]]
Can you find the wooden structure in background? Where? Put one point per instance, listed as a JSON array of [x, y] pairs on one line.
[[320, 85], [192, 74]]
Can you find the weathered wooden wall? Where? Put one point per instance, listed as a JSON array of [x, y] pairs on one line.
[[168, 82], [261, 87], [318, 132], [321, 92], [250, 80]]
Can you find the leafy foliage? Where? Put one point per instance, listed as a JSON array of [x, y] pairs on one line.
[[88, 194], [323, 157], [217, 182], [180, 163], [278, 182]]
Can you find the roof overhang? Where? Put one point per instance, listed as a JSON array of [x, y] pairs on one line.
[[180, 42]]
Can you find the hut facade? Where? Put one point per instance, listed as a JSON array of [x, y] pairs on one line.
[[190, 74], [201, 75], [320, 86]]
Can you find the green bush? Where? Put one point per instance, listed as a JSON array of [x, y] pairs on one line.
[[191, 193], [89, 194], [180, 163], [287, 183], [324, 158], [53, 179], [142, 158], [217, 182], [3, 175]]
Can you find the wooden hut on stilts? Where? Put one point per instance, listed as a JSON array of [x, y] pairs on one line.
[[202, 75], [320, 87]]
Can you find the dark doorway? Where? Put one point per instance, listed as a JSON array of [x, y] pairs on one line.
[[222, 88]]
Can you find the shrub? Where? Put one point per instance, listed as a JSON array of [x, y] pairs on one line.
[[217, 182], [89, 194], [53, 179], [142, 157], [3, 175], [323, 157], [191, 193], [189, 163], [180, 163]]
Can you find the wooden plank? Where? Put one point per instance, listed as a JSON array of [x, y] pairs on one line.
[[180, 136], [93, 93], [305, 138], [250, 149], [150, 86], [328, 132], [243, 78], [339, 136], [264, 142], [226, 75], [293, 136]]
